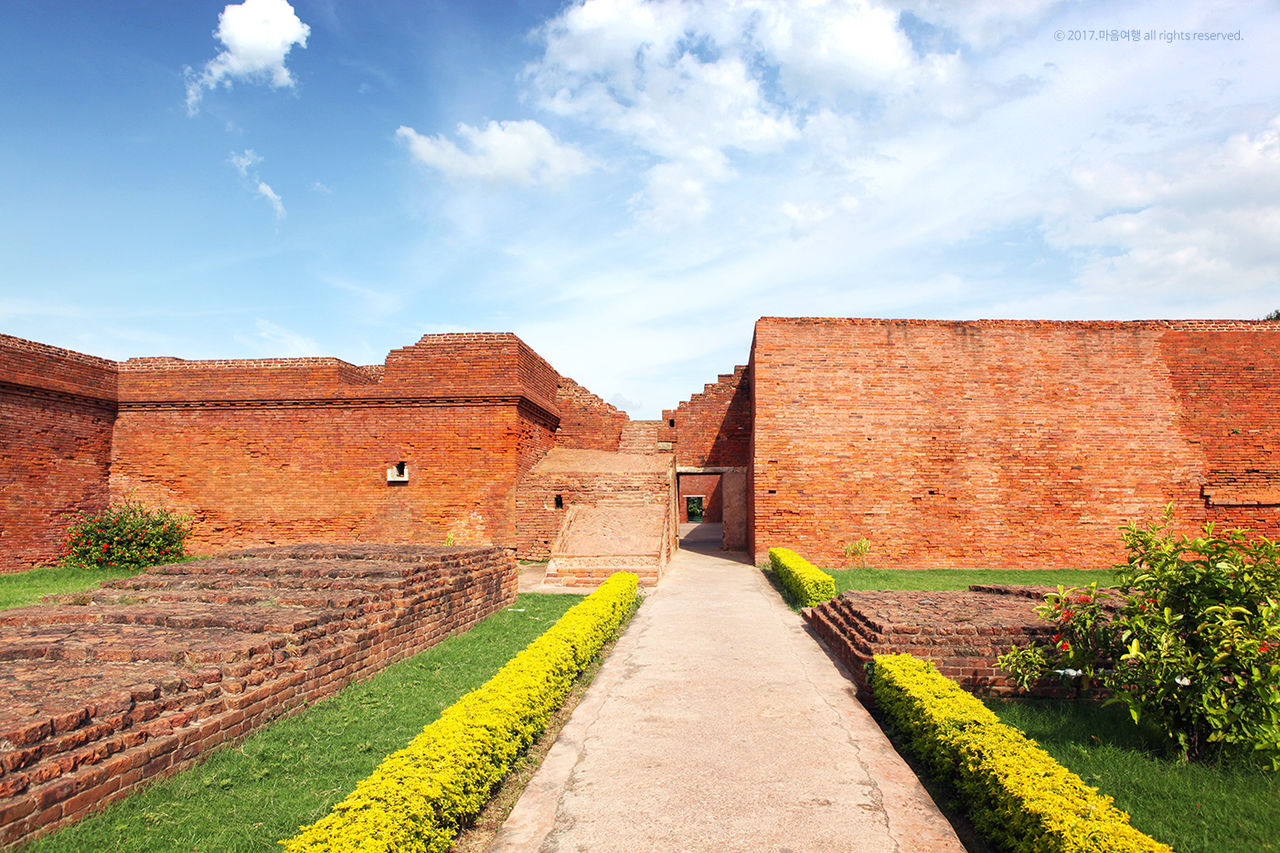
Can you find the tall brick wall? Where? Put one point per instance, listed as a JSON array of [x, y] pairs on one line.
[[713, 429], [289, 450], [56, 414], [1001, 443], [1226, 380], [586, 421]]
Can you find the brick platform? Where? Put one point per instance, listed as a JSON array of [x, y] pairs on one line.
[[962, 632], [112, 687]]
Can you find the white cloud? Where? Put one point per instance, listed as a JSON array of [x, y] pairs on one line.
[[273, 341], [246, 163], [264, 190], [522, 152], [245, 160], [257, 36]]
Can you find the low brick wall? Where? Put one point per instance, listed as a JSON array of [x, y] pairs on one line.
[[962, 631], [110, 688]]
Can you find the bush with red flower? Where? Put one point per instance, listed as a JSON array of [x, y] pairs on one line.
[[126, 535], [1192, 641]]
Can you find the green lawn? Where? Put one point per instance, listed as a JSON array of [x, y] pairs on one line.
[[1194, 808], [23, 588], [289, 774], [961, 578]]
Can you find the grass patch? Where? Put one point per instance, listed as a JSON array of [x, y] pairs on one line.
[[935, 579], [248, 797], [1194, 808], [23, 588]]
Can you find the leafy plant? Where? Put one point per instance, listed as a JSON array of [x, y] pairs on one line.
[[858, 549], [126, 535], [1194, 644]]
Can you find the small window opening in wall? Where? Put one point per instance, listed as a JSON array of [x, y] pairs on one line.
[[773, 491], [671, 422], [399, 469], [398, 474], [559, 501]]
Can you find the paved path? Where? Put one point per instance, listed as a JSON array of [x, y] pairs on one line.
[[718, 723]]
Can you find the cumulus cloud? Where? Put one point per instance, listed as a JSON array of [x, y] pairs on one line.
[[522, 152], [256, 36], [1196, 222]]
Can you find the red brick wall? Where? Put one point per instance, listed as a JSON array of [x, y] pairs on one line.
[[1226, 381], [56, 412], [707, 485], [293, 450], [586, 421], [998, 443], [713, 429]]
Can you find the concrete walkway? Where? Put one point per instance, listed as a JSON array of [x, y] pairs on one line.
[[719, 724]]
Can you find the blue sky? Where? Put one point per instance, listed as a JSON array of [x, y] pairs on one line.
[[627, 185]]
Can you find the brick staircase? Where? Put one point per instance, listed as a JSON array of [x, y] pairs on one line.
[[594, 512]]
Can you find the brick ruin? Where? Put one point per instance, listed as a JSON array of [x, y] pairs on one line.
[[980, 444], [111, 688], [984, 443]]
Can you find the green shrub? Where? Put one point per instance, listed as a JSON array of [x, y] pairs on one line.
[[418, 797], [1194, 645], [1014, 792], [807, 583], [126, 535]]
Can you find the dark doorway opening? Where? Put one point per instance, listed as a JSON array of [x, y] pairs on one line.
[[693, 507]]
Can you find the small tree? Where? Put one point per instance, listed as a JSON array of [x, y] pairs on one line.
[[1194, 644], [1274, 315], [126, 535]]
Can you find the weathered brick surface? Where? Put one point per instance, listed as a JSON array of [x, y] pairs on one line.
[[586, 421], [962, 632], [56, 412], [1003, 443], [267, 451], [582, 478], [713, 429], [109, 688], [708, 486]]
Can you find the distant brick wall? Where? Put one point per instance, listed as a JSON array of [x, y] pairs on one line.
[[586, 421], [274, 451], [1002, 443], [288, 450], [713, 429], [708, 486], [56, 414]]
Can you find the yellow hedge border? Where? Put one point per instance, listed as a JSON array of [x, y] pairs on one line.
[[418, 797], [1015, 793], [809, 584]]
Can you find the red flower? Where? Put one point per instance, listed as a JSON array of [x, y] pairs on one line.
[[1066, 615], [1065, 646], [1263, 647]]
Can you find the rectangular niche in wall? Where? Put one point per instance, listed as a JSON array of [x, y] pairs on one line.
[[398, 474]]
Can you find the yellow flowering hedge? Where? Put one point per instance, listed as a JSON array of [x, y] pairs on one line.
[[418, 797], [1014, 792], [806, 582]]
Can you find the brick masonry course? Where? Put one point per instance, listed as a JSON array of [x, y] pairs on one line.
[[1008, 444], [962, 632], [110, 688]]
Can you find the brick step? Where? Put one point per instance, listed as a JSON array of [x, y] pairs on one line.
[[962, 632]]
